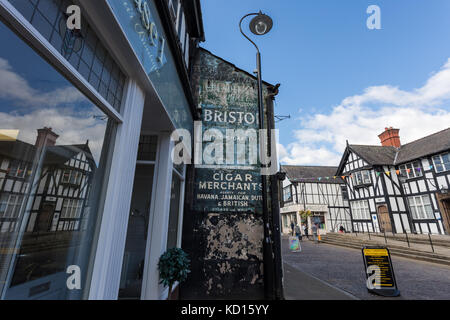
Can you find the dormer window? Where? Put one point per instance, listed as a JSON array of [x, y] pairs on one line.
[[411, 170], [361, 178]]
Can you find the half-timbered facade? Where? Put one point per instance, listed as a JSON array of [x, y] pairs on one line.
[[59, 191], [399, 188], [318, 190]]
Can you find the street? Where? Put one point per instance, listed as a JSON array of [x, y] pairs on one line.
[[342, 268]]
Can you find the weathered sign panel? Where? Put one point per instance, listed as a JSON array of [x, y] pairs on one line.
[[223, 227], [228, 190], [228, 177]]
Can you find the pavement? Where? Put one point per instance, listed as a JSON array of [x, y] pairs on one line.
[[327, 272]]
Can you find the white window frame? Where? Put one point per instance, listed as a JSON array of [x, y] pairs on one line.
[[418, 206], [438, 161], [413, 170], [360, 210], [361, 177]]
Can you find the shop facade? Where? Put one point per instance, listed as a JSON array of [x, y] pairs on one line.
[[89, 195], [314, 195]]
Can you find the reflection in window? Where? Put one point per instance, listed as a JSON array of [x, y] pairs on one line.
[[82, 49], [50, 172]]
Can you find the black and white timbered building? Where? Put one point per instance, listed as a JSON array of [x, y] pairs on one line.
[[57, 196], [316, 189], [399, 188]]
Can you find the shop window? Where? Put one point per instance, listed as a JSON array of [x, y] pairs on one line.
[[82, 49], [59, 130]]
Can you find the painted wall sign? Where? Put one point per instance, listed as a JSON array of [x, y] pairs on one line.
[[379, 272], [229, 178], [225, 202], [140, 21], [228, 190]]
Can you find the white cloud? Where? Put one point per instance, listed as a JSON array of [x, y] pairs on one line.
[[361, 118], [14, 87]]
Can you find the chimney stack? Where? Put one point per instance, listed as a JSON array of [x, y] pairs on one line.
[[46, 137], [390, 138]]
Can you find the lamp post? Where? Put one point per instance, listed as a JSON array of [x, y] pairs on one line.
[[260, 25]]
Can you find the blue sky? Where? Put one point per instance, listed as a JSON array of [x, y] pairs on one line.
[[339, 79]]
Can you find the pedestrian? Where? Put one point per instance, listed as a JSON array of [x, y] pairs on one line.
[[292, 228], [298, 233], [305, 231], [314, 231]]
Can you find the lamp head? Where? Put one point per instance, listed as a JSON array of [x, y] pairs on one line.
[[261, 24]]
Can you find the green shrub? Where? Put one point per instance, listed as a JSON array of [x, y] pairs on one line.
[[173, 265]]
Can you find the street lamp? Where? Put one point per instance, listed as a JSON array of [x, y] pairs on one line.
[[260, 25]]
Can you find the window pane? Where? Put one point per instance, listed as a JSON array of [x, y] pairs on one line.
[[57, 135], [49, 19], [172, 234]]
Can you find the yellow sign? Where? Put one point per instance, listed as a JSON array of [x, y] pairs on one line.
[[376, 252]]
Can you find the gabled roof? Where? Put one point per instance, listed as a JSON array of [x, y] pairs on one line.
[[61, 154], [375, 155], [379, 155], [311, 174], [432, 144]]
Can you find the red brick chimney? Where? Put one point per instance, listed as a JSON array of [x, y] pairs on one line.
[[390, 138], [46, 137]]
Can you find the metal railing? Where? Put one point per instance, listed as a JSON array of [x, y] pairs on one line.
[[411, 240]]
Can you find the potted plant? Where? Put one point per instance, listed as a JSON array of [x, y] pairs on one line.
[[173, 265], [304, 214]]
